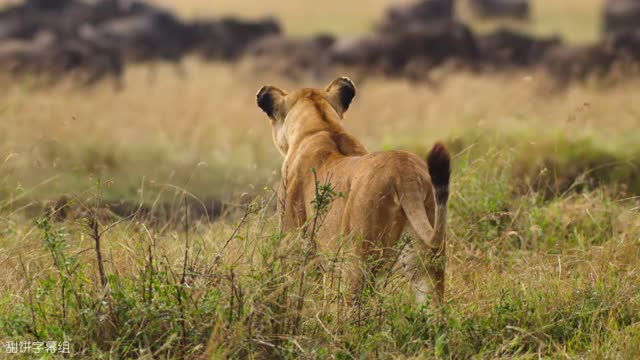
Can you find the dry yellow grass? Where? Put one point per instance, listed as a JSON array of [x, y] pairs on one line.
[[210, 122]]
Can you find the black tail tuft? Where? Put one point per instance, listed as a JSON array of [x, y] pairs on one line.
[[439, 162]]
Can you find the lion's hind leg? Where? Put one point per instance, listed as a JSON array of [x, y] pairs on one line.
[[425, 269]]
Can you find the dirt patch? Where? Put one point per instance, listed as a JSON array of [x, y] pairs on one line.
[[164, 212]]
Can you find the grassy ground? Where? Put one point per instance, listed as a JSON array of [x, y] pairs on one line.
[[543, 242]]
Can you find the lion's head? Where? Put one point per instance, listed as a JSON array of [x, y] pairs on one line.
[[306, 110]]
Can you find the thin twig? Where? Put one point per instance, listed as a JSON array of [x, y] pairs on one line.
[[235, 231], [184, 271], [33, 313], [95, 235]]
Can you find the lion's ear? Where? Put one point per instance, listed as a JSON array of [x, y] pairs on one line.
[[270, 99], [341, 91]]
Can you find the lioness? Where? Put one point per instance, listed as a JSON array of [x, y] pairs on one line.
[[382, 190]]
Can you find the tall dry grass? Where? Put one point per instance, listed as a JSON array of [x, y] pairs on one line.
[[206, 134]]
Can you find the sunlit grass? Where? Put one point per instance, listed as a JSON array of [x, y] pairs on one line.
[[525, 277], [206, 134]]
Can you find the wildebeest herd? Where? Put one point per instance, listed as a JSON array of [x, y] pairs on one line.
[[94, 39], [412, 39]]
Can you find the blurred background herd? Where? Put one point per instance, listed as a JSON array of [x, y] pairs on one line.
[[92, 40]]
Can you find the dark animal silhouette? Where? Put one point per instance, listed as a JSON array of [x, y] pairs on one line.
[[429, 45], [621, 16], [517, 9], [228, 38], [578, 63], [506, 47], [423, 12], [292, 57], [626, 44], [101, 35], [54, 58]]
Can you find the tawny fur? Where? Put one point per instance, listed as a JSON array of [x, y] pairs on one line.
[[383, 191]]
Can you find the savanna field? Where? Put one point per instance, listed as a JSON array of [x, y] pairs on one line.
[[142, 223]]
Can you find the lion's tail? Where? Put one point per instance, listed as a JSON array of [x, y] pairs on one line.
[[439, 163]]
